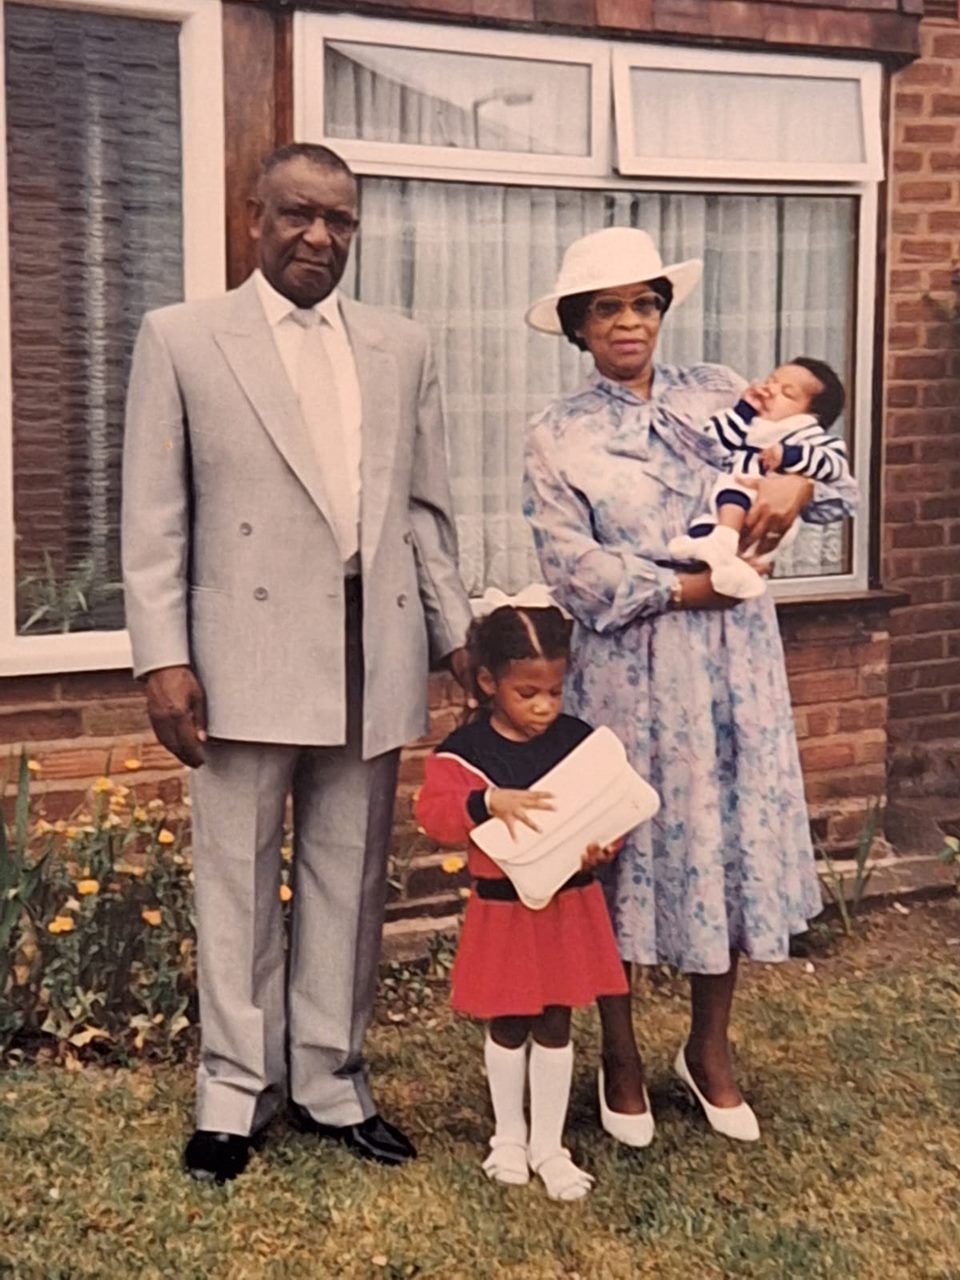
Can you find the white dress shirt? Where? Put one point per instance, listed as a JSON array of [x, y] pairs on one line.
[[289, 337]]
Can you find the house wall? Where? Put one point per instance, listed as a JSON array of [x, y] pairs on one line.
[[921, 508], [838, 652]]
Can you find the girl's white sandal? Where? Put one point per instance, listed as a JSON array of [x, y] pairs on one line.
[[631, 1130], [561, 1177], [737, 1122], [507, 1163]]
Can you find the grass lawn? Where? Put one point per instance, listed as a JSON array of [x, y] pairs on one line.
[[851, 1059]]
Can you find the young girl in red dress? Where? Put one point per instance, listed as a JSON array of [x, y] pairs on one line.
[[522, 970]]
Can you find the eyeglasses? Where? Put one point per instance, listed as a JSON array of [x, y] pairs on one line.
[[608, 308], [340, 225]]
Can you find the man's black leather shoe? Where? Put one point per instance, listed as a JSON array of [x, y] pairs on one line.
[[371, 1139], [216, 1157]]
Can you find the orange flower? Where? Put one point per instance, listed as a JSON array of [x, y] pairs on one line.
[[286, 893], [452, 864], [87, 887], [151, 916], [166, 837], [60, 924], [132, 765], [101, 786]]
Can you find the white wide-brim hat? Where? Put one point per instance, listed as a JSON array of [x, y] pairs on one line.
[[605, 260]]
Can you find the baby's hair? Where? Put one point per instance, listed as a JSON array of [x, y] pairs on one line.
[[511, 633], [828, 403], [572, 310]]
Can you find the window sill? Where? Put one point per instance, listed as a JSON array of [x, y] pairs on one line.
[[877, 599]]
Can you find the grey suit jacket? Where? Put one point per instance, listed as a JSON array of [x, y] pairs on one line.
[[229, 558]]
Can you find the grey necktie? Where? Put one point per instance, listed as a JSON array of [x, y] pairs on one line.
[[320, 405]]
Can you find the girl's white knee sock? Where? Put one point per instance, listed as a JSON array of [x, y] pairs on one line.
[[551, 1074], [507, 1077]]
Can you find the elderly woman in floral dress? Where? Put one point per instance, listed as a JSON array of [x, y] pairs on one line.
[[692, 682]]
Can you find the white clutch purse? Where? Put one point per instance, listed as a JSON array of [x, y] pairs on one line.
[[599, 797]]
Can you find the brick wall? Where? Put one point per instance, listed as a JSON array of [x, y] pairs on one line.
[[81, 726], [921, 506]]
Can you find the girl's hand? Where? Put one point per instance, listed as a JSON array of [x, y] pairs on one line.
[[597, 855], [753, 395], [515, 806], [771, 457]]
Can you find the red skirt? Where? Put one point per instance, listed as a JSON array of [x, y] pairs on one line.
[[514, 961]]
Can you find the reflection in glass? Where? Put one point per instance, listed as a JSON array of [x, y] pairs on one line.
[[380, 93], [94, 181]]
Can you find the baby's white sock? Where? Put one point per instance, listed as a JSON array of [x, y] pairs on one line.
[[507, 1077], [551, 1074]]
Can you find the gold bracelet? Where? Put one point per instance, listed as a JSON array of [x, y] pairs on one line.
[[676, 593]]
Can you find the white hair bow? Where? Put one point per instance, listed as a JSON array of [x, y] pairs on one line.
[[535, 596]]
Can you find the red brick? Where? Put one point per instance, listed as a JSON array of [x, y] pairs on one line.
[[938, 508], [870, 747], [927, 702], [913, 649], [897, 454], [81, 686], [907, 161], [505, 10], [925, 251], [902, 396], [938, 675], [31, 690], [937, 728], [826, 755], [909, 104], [904, 336], [38, 725], [926, 192], [114, 718], [918, 535], [936, 133], [943, 220], [900, 511], [946, 104], [869, 713], [626, 15], [863, 780], [822, 720], [575, 13], [925, 72], [823, 686], [946, 44], [944, 161]]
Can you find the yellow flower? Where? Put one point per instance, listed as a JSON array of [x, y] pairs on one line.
[[155, 805], [87, 887], [83, 816], [101, 786], [60, 924], [121, 791], [166, 837], [132, 765], [452, 864], [286, 893], [130, 869], [72, 832], [140, 813], [286, 853], [42, 827], [60, 826], [34, 766], [151, 916]]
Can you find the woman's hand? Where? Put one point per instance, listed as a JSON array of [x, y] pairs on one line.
[[779, 501], [515, 806], [596, 855], [698, 592]]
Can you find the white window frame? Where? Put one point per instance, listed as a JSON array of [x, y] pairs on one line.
[[204, 275], [393, 161], [867, 75], [312, 31]]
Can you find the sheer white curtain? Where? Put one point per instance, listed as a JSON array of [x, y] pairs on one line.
[[467, 259]]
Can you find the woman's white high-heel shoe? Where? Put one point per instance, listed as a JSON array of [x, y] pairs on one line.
[[737, 1122], [631, 1130]]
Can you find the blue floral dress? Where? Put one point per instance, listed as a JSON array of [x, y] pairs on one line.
[[698, 697]]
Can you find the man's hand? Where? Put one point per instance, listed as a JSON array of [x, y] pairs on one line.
[[596, 855], [779, 501], [515, 806], [459, 663], [178, 712]]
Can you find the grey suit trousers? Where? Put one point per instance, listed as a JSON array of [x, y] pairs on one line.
[[270, 1022]]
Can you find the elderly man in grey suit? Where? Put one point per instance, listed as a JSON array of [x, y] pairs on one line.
[[290, 571]]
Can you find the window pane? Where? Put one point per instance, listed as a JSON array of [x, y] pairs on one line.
[[94, 182], [380, 93], [695, 115], [467, 260]]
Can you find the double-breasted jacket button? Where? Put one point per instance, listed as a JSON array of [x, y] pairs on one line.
[[246, 529], [408, 538], [261, 593], [401, 600]]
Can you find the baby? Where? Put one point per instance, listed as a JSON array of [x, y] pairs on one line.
[[780, 425]]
